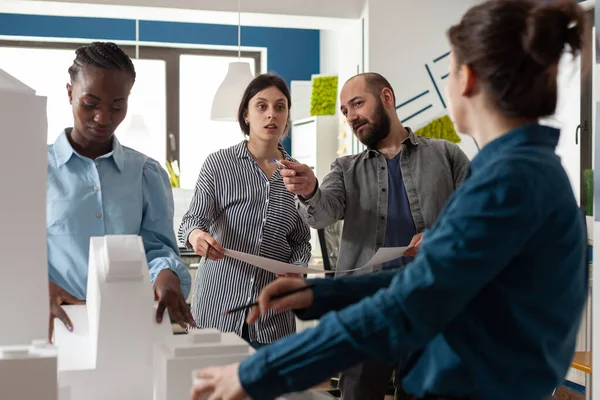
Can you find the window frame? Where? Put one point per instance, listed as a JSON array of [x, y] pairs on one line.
[[171, 57]]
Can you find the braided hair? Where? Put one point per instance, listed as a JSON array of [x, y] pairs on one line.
[[105, 55]]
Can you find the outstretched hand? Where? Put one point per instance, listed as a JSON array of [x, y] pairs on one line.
[[167, 292], [299, 179], [59, 296], [219, 383], [296, 301]]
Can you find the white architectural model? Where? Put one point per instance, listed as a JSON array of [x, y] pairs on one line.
[[179, 357], [23, 162], [109, 355], [22, 365], [27, 362], [117, 350]]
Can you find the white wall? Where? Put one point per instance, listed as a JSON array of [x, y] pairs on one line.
[[405, 39], [366, 22], [341, 55], [567, 118], [402, 41], [329, 54], [341, 51], [406, 44]]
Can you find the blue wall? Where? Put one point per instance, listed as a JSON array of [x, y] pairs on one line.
[[291, 53]]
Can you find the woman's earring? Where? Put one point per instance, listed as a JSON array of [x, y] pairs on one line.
[[246, 121]]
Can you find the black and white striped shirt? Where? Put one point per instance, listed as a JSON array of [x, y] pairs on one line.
[[243, 210]]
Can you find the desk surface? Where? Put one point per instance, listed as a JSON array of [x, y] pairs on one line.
[[583, 361]]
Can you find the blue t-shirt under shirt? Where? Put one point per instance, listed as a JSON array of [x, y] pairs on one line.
[[400, 227]]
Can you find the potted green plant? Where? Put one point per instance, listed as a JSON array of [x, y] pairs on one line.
[[323, 95], [440, 128]]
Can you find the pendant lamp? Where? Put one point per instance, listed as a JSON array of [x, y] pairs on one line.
[[137, 126], [228, 96]]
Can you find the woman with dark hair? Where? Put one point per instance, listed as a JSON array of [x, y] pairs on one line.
[[98, 187], [240, 203], [491, 305]]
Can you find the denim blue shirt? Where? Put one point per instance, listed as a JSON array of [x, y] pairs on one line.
[[491, 306], [120, 193]]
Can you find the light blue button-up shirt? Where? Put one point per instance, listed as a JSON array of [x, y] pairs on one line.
[[120, 193]]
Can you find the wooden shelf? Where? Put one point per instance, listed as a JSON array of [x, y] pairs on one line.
[[583, 361]]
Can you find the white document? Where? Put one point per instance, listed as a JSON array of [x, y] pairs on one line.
[[277, 267], [385, 254]]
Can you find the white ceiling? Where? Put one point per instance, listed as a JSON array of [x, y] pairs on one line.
[[308, 14], [312, 8]]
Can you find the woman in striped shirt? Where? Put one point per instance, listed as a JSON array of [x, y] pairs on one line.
[[240, 203]]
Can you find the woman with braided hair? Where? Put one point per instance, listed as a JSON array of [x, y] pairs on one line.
[[98, 187]]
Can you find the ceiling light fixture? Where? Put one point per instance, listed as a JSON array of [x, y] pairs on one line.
[[228, 96]]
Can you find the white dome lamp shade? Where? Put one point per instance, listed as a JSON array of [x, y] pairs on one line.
[[137, 128], [229, 94]]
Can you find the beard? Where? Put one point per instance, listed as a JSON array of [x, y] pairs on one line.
[[373, 132]]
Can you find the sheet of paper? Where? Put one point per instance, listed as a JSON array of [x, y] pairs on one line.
[[385, 254], [277, 267]]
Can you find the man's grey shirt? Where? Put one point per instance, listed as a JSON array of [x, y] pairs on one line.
[[356, 190]]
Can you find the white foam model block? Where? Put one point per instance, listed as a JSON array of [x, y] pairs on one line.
[[124, 261], [23, 162], [109, 355], [74, 348], [64, 393], [308, 395], [178, 358], [9, 83], [28, 372]]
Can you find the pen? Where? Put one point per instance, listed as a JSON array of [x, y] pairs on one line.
[[207, 251], [275, 297], [279, 163]]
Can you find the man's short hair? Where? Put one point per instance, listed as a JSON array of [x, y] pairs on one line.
[[376, 83]]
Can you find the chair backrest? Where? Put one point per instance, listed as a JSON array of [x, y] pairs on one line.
[[324, 251]]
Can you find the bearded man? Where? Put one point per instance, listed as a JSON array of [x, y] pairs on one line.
[[387, 195]]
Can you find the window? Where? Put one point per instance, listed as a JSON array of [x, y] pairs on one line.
[[146, 104], [173, 92], [22, 63], [145, 127], [200, 77]]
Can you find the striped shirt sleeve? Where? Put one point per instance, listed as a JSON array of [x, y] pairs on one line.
[[202, 211]]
